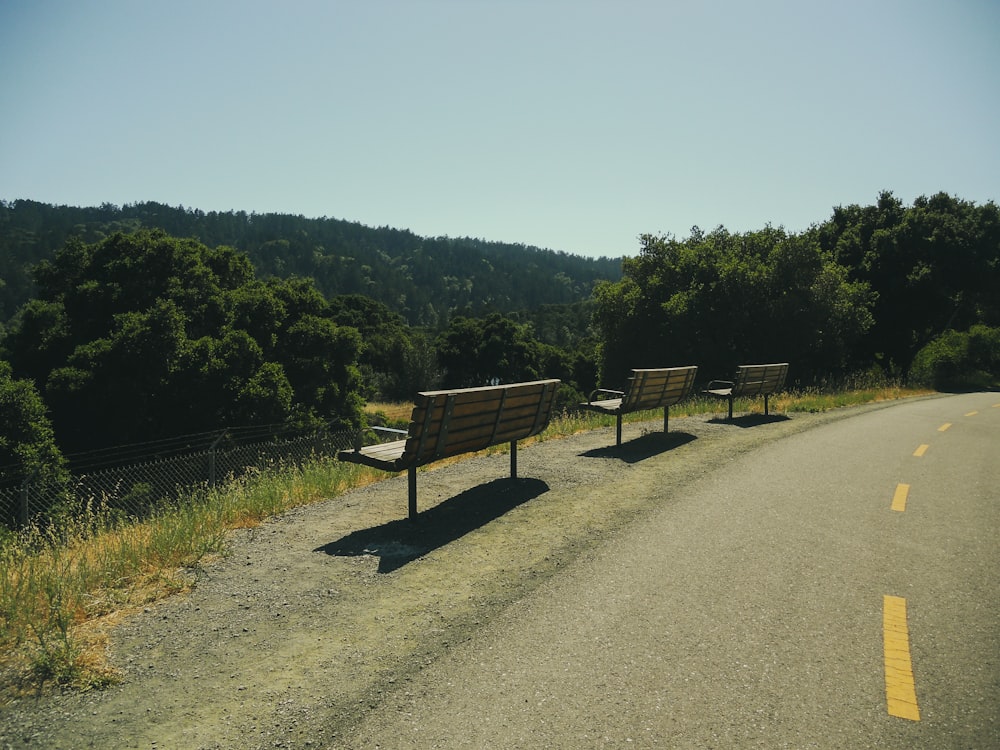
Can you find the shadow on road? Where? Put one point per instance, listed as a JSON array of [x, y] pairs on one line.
[[398, 542], [641, 448], [750, 420]]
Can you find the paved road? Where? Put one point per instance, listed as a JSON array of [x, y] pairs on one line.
[[751, 612]]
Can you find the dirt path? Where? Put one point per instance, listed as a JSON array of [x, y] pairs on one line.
[[315, 617]]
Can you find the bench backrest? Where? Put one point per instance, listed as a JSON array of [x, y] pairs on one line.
[[759, 380], [652, 389], [448, 423]]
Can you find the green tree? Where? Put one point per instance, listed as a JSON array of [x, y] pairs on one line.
[[144, 336], [27, 443], [934, 266], [719, 299], [960, 360], [395, 360], [114, 389], [483, 351], [314, 351]]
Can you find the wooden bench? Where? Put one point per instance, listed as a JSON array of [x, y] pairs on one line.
[[750, 380], [647, 389], [449, 423]]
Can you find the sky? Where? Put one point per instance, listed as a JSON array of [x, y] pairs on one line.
[[572, 125]]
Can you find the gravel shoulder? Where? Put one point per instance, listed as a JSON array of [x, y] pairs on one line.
[[317, 617]]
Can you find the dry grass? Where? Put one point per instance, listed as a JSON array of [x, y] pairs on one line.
[[62, 587], [395, 413]]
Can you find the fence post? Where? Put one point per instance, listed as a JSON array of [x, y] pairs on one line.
[[211, 458], [24, 509]]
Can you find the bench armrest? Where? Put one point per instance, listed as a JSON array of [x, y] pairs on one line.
[[391, 430], [594, 392], [720, 384], [375, 428]]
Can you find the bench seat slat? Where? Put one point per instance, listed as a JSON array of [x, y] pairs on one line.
[[381, 456], [610, 405]]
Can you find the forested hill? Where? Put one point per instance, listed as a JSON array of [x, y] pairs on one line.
[[426, 280]]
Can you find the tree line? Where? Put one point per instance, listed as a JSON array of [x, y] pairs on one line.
[[872, 286], [426, 280], [132, 333]]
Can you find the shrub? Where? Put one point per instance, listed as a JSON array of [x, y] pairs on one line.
[[958, 360]]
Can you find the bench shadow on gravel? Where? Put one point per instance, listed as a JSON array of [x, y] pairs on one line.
[[750, 420], [402, 541], [641, 448]]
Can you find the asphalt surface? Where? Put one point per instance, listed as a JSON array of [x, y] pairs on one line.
[[749, 613]]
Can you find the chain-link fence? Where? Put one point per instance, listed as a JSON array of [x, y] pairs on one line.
[[136, 480]]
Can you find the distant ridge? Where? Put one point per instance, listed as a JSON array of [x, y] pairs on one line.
[[426, 280]]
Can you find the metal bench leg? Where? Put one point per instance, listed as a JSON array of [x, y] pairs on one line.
[[411, 481], [666, 417], [730, 399], [765, 404], [618, 430], [513, 459]]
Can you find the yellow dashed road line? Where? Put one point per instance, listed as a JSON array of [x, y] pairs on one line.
[[899, 497], [971, 413], [900, 689]]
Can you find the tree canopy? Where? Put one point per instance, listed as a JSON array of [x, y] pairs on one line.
[[426, 280], [27, 442], [721, 299], [142, 336], [482, 351], [934, 266]]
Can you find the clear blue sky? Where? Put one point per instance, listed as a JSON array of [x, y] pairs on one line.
[[565, 124]]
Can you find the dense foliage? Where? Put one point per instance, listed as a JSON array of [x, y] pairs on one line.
[[720, 299], [934, 267], [396, 360], [959, 360], [144, 336], [425, 280], [870, 286], [27, 441]]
